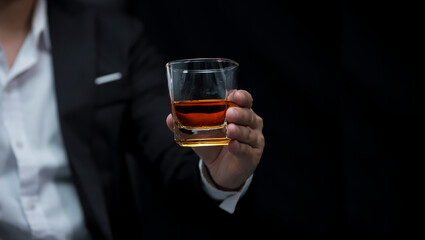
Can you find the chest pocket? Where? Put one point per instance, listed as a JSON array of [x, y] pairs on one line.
[[111, 88]]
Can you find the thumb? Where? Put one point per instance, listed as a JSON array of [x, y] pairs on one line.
[[170, 121]]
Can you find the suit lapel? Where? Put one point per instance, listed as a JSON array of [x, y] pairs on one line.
[[73, 51]]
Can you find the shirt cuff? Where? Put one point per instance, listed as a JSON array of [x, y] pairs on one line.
[[229, 199]]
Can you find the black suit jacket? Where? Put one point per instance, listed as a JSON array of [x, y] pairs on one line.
[[340, 88], [115, 130]]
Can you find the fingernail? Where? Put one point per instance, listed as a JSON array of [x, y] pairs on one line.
[[239, 96]]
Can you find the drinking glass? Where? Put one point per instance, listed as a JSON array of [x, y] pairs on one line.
[[199, 93]]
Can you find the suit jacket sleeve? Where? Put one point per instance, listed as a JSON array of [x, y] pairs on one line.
[[151, 140]]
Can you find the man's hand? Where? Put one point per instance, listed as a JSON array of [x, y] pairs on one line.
[[230, 166]]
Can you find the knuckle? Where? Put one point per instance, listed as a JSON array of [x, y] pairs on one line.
[[260, 120], [262, 140], [249, 135], [259, 143], [252, 119]]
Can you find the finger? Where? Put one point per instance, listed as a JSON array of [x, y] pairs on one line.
[[244, 116], [242, 98], [169, 121], [244, 151], [246, 135]]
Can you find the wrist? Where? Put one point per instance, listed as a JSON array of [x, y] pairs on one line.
[[210, 180]]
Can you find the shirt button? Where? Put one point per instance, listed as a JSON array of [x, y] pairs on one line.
[[19, 144], [31, 205]]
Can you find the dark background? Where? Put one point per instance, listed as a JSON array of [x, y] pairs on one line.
[[339, 86]]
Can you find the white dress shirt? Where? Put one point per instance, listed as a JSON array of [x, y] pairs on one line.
[[37, 196], [38, 199]]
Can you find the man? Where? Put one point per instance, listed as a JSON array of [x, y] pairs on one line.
[[66, 134]]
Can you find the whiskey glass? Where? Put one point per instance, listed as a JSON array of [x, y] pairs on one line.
[[199, 92]]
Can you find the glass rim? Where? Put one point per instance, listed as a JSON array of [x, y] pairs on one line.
[[234, 65]]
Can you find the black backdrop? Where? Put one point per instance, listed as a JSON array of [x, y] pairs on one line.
[[337, 84]]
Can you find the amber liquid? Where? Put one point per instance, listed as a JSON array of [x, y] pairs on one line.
[[201, 122], [202, 113]]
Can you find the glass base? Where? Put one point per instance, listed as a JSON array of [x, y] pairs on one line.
[[201, 138], [207, 142]]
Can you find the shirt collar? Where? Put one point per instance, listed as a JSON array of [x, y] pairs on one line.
[[37, 41], [40, 28]]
